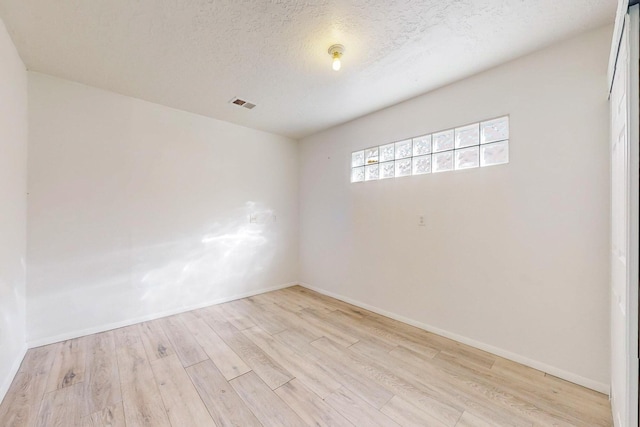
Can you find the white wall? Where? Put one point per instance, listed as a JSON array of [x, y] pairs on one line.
[[13, 208], [515, 257], [138, 210]]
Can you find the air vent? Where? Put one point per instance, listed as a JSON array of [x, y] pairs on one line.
[[242, 103]]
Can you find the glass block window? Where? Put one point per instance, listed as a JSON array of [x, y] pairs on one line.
[[403, 167], [371, 155], [421, 165], [443, 141], [357, 159], [495, 130], [404, 149], [468, 136], [387, 153], [421, 145], [357, 174], [387, 170], [371, 172], [471, 146], [467, 158], [496, 153], [443, 162]]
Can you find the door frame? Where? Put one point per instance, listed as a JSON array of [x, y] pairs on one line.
[[628, 19]]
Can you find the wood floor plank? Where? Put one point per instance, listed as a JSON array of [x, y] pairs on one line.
[[264, 366], [264, 318], [237, 318], [457, 386], [181, 400], [535, 406], [102, 382], [416, 339], [313, 375], [293, 321], [295, 341], [280, 299], [348, 326], [408, 415], [411, 356], [303, 301], [225, 359], [112, 416], [225, 406], [560, 386], [428, 399], [413, 334], [367, 389], [141, 398], [245, 308], [451, 387], [59, 408], [335, 334], [155, 341], [336, 331], [309, 406], [362, 328], [375, 327], [357, 411], [364, 387], [22, 401], [335, 304], [370, 348], [514, 369], [69, 365], [184, 344], [469, 420], [288, 357], [264, 403], [465, 357], [528, 385]]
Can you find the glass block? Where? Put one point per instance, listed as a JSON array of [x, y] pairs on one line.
[[387, 170], [422, 145], [404, 149], [494, 154], [421, 165], [442, 162], [494, 130], [443, 141], [371, 155], [357, 158], [468, 136], [403, 167], [387, 152], [467, 158], [371, 172], [357, 174]]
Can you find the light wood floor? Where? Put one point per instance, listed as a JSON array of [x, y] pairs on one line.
[[286, 358]]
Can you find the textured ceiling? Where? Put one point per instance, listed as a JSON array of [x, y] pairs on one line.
[[196, 55]]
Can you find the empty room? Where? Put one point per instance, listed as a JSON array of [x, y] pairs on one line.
[[332, 213]]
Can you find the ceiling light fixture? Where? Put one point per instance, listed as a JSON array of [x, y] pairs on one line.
[[336, 51]]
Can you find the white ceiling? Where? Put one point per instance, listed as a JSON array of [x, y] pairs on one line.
[[196, 55]]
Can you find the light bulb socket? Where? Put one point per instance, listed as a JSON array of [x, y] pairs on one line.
[[336, 51]]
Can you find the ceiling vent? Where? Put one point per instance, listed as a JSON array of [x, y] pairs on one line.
[[242, 103]]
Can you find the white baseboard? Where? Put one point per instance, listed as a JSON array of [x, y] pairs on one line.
[[552, 370], [102, 328], [12, 372]]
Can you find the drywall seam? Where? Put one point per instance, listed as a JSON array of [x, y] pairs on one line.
[[13, 372], [102, 328], [551, 370]]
